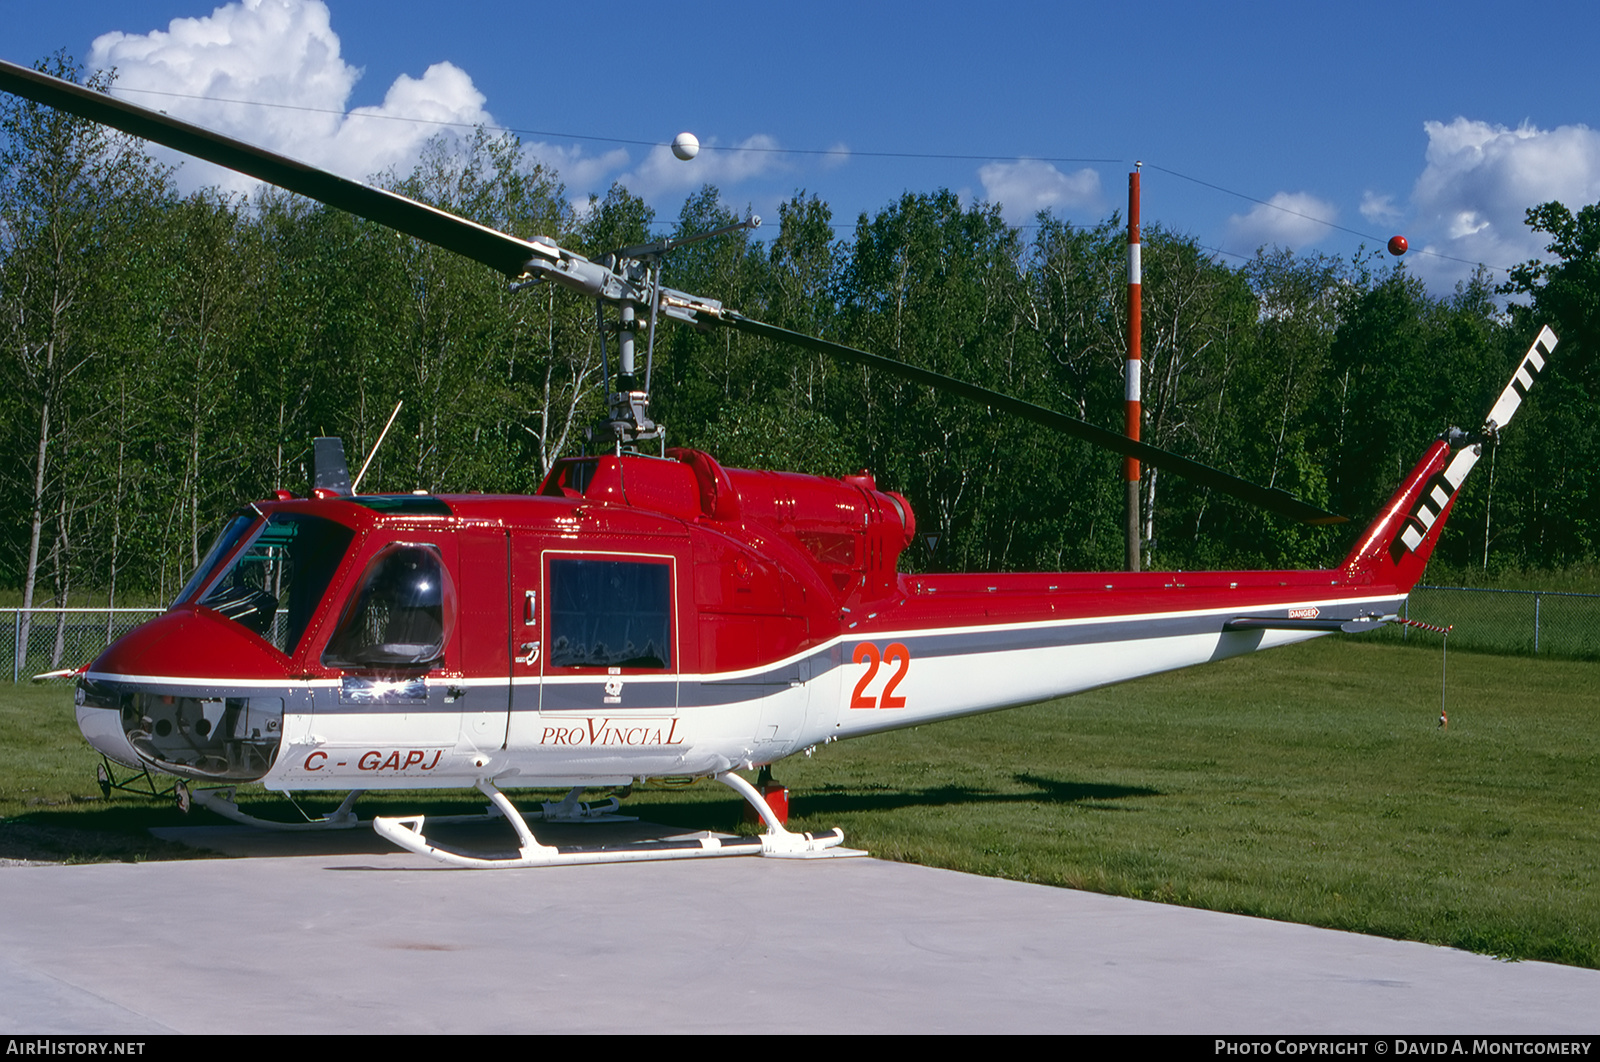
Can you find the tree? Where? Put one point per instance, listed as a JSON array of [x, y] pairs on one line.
[[1564, 293], [71, 195], [784, 421], [930, 283], [203, 315], [1198, 320], [1274, 431], [1077, 306], [702, 378], [483, 362], [1552, 505]]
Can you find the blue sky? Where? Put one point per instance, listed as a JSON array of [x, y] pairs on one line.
[[1442, 121]]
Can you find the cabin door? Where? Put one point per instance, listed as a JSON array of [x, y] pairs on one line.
[[609, 633], [484, 690]]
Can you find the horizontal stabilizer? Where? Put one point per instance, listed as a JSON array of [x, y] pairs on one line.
[[1355, 625]]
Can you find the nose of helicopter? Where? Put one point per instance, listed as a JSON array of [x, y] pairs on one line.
[[187, 657], [101, 725], [190, 645]]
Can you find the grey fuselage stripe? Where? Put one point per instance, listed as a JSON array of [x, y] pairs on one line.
[[704, 692]]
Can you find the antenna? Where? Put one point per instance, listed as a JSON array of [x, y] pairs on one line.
[[374, 453]]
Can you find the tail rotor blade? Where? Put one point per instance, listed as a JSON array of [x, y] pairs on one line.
[[1522, 381]]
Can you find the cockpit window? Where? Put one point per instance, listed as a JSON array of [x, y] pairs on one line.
[[401, 613], [275, 583]]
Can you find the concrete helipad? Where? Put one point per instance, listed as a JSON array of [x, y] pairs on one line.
[[341, 936]]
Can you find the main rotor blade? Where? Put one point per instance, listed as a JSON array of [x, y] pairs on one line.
[[511, 256], [478, 242], [1268, 498]]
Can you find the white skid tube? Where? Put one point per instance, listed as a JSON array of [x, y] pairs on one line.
[[778, 841], [222, 801], [408, 834]]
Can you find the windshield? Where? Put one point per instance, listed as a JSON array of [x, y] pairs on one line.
[[227, 538], [274, 585]]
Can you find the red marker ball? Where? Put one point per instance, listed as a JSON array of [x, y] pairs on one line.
[[1397, 245]]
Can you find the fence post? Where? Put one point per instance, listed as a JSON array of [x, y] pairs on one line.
[[16, 649], [1536, 623]]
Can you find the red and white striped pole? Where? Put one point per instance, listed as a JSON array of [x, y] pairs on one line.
[[1134, 367]]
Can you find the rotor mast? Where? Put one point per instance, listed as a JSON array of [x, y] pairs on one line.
[[627, 404], [632, 282]]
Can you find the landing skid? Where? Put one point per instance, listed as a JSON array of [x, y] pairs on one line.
[[223, 801], [777, 841]]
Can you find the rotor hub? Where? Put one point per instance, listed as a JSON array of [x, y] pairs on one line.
[[628, 420]]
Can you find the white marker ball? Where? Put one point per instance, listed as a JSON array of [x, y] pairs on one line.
[[686, 146]]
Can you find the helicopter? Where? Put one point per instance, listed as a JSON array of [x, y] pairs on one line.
[[647, 615]]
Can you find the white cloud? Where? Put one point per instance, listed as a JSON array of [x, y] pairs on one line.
[[1479, 181], [580, 172], [1295, 220], [662, 171], [283, 52], [1379, 209], [1027, 186]]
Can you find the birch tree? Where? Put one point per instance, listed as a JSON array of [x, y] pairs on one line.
[[70, 193]]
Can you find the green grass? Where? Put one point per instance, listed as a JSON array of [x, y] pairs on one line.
[[1310, 784]]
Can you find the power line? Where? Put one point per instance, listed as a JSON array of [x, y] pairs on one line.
[[843, 152], [825, 152], [1309, 217]]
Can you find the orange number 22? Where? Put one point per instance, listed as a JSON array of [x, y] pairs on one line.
[[867, 653]]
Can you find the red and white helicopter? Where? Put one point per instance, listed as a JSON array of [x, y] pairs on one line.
[[647, 616]]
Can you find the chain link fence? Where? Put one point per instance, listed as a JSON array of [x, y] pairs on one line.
[[1544, 622], [62, 637]]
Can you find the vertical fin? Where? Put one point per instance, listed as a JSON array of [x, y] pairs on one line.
[[1395, 549]]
